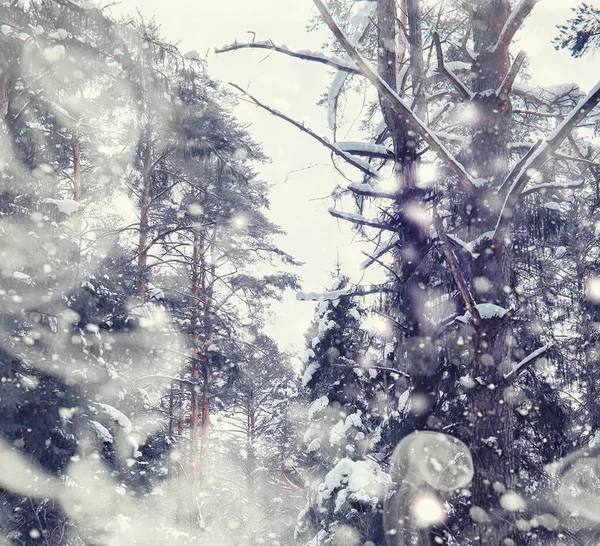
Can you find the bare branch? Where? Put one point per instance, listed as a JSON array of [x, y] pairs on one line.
[[509, 80], [397, 104], [514, 22], [151, 378], [385, 266], [361, 165], [556, 155], [314, 56], [162, 235], [358, 219], [540, 155], [447, 73], [160, 158], [372, 258], [584, 160], [378, 368], [455, 269]]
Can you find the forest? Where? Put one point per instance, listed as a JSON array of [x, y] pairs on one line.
[[445, 395]]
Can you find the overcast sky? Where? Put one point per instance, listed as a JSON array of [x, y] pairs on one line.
[[301, 169]]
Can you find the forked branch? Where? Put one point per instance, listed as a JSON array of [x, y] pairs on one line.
[[540, 154], [514, 22], [455, 269], [447, 73], [397, 104]]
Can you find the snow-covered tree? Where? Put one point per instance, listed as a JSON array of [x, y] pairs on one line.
[[345, 409], [465, 166]]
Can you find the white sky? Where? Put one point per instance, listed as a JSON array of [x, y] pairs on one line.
[[300, 168]]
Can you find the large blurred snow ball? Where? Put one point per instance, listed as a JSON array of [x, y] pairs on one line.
[[579, 491], [422, 459], [440, 460]]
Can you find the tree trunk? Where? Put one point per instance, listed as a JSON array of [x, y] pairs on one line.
[[251, 473], [490, 410], [77, 219], [5, 60], [197, 277], [142, 250], [207, 291]]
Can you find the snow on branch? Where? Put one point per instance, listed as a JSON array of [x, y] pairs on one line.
[[525, 363], [358, 219], [552, 186], [472, 246], [514, 22], [368, 149], [459, 140], [354, 161], [337, 294], [397, 104], [366, 190], [539, 155], [305, 55], [447, 72]]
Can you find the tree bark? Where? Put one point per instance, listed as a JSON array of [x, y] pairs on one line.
[[489, 409], [207, 291], [197, 279], [142, 250], [75, 147]]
